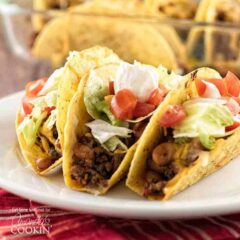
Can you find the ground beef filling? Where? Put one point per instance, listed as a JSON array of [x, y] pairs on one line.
[[161, 166], [92, 164], [137, 131]]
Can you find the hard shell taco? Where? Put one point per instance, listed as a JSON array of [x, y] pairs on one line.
[[102, 23], [193, 133], [222, 45], [42, 6], [106, 118], [217, 44], [77, 65], [42, 116], [36, 124]]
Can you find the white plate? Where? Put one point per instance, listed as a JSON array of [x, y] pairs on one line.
[[216, 194]]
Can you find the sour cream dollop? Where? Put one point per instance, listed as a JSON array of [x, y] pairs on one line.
[[140, 79]]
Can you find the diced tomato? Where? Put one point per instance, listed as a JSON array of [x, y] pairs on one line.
[[111, 87], [201, 86], [34, 87], [27, 106], [174, 115], [49, 109], [220, 84], [123, 104], [142, 109], [230, 85], [232, 127], [233, 84], [157, 96]]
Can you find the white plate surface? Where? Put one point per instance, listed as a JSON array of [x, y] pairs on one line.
[[216, 194]]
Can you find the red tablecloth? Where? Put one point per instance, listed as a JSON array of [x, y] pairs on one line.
[[24, 219]]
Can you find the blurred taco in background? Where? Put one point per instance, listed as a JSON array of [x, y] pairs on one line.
[[179, 9], [216, 46], [44, 7], [193, 134], [223, 45], [81, 29], [114, 7], [106, 118]]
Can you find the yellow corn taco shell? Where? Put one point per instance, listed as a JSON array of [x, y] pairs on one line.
[[44, 153], [75, 128], [78, 64], [224, 151], [38, 150]]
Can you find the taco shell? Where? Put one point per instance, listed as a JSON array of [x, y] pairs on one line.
[[75, 128], [32, 153], [224, 151], [79, 64]]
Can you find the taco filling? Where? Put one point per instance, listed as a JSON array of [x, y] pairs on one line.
[[120, 100], [191, 130], [37, 121]]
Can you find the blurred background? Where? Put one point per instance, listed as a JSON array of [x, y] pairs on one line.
[[36, 36]]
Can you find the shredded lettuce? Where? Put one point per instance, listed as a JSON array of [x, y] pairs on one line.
[[103, 131], [103, 107], [49, 100], [52, 82], [206, 120], [114, 143], [51, 119], [182, 140], [30, 126], [108, 135], [207, 141], [32, 123], [95, 91], [169, 81]]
